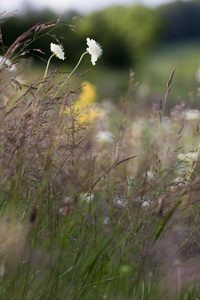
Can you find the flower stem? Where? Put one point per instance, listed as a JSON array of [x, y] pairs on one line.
[[46, 70], [70, 75]]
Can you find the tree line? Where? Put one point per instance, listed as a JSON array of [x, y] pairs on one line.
[[125, 33]]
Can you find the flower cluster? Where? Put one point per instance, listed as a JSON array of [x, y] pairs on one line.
[[86, 110], [94, 49]]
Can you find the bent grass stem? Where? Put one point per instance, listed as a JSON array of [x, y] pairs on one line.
[[45, 74], [70, 74], [46, 70]]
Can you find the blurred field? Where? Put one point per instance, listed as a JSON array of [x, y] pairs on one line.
[[152, 74], [185, 57], [99, 179]]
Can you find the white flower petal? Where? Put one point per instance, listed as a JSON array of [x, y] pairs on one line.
[[58, 51], [105, 136], [94, 49]]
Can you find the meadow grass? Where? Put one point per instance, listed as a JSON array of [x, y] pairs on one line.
[[152, 73], [105, 208]]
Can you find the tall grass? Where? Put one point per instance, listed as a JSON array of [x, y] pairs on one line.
[[88, 218]]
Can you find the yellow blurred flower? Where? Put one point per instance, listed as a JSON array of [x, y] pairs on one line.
[[85, 108], [88, 94]]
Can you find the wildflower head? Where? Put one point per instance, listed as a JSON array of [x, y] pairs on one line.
[[105, 137], [94, 49], [58, 51], [86, 110]]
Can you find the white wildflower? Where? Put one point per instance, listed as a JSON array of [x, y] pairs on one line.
[[105, 137], [150, 175], [94, 50], [146, 203], [192, 114], [58, 51]]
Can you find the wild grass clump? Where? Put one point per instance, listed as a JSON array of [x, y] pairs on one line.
[[97, 201]]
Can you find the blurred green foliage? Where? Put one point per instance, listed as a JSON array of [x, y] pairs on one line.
[[12, 27], [181, 20], [126, 34]]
